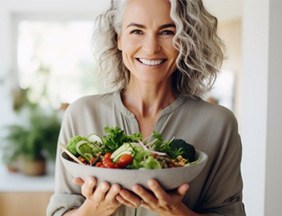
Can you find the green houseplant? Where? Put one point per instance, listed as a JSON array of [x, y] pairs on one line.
[[29, 145]]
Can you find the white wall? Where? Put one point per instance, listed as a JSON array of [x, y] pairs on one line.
[[253, 108], [5, 67], [261, 107], [273, 175]]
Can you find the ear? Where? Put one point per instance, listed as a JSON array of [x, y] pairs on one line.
[[119, 44]]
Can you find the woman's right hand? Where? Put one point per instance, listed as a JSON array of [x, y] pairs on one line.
[[100, 200]]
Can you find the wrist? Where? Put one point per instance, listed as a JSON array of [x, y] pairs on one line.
[[87, 208]]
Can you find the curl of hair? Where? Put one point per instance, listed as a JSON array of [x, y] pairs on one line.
[[105, 46], [200, 49]]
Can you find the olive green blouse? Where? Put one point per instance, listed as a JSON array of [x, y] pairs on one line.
[[217, 190]]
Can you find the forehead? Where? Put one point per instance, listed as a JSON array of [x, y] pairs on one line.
[[142, 11]]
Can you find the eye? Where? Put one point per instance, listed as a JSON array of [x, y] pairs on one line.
[[136, 31], [167, 32]]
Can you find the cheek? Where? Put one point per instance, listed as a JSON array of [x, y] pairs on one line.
[[174, 52], [130, 44], [169, 49]]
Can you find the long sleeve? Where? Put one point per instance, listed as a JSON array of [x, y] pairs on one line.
[[83, 117], [221, 182], [66, 195], [222, 193], [216, 191]]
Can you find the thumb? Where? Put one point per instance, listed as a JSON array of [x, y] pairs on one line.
[[182, 190], [78, 181]]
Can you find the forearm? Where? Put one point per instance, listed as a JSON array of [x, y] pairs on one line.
[[81, 211]]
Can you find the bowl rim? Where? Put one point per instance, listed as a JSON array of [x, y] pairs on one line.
[[169, 178], [202, 158]]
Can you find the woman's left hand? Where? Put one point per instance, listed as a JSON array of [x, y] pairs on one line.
[[156, 200]]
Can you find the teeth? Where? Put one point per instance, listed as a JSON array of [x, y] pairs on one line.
[[151, 62]]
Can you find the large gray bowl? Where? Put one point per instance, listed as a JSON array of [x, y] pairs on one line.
[[169, 178]]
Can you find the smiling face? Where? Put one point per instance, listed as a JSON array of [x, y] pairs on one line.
[[146, 41]]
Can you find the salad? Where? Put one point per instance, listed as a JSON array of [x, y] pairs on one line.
[[117, 150]]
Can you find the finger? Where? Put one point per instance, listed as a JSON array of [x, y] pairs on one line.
[[121, 200], [101, 190], [113, 192], [130, 197], [78, 181], [144, 194], [182, 189], [88, 187], [160, 194]]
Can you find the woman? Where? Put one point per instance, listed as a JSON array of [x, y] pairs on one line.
[[164, 55]]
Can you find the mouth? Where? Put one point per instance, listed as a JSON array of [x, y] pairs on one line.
[[151, 62]]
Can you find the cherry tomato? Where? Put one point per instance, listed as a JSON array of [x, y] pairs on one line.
[[107, 161], [124, 160], [100, 164], [92, 160], [107, 155], [154, 155], [82, 159]]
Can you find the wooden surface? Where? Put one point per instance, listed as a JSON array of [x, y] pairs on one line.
[[24, 203]]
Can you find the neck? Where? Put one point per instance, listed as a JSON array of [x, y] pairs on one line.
[[149, 101]]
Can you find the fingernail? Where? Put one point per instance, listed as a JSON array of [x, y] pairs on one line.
[[151, 183], [135, 188]]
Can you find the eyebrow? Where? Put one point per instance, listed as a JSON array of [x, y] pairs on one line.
[[169, 25]]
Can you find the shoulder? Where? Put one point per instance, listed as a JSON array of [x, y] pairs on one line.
[[91, 102], [202, 105], [85, 115], [89, 99], [210, 113]]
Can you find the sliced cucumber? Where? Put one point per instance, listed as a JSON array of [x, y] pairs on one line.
[[94, 138], [88, 156], [126, 148], [79, 144], [115, 159]]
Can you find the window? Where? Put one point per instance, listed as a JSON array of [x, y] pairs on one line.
[[55, 62]]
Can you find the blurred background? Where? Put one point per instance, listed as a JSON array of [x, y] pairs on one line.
[[46, 64]]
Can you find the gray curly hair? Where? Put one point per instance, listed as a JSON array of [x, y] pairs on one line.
[[200, 49]]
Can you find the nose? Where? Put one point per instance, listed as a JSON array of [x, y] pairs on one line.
[[151, 44]]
